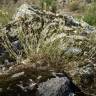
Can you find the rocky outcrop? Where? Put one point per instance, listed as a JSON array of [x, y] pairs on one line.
[[56, 87], [56, 35]]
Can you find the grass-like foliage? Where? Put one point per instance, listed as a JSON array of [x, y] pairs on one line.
[[49, 5], [45, 40], [4, 16], [77, 5], [52, 42], [90, 14]]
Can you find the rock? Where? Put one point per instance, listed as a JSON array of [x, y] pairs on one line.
[[86, 74], [55, 87], [70, 21], [72, 51], [83, 76], [88, 29], [16, 45], [25, 10]]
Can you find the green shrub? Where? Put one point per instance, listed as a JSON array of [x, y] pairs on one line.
[[90, 14]]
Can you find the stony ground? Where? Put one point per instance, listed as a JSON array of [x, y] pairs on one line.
[[58, 55]]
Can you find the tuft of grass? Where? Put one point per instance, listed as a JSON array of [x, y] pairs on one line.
[[52, 48], [4, 17], [48, 5], [50, 41], [6, 12]]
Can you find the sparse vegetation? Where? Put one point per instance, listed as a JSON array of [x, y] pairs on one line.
[[46, 40], [48, 5], [90, 14], [74, 5], [4, 16]]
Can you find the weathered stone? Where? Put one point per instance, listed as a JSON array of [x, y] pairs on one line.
[[16, 45], [70, 21], [73, 51], [25, 10], [55, 87], [87, 74]]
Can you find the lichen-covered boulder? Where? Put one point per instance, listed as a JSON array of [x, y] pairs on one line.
[[56, 87], [25, 10]]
